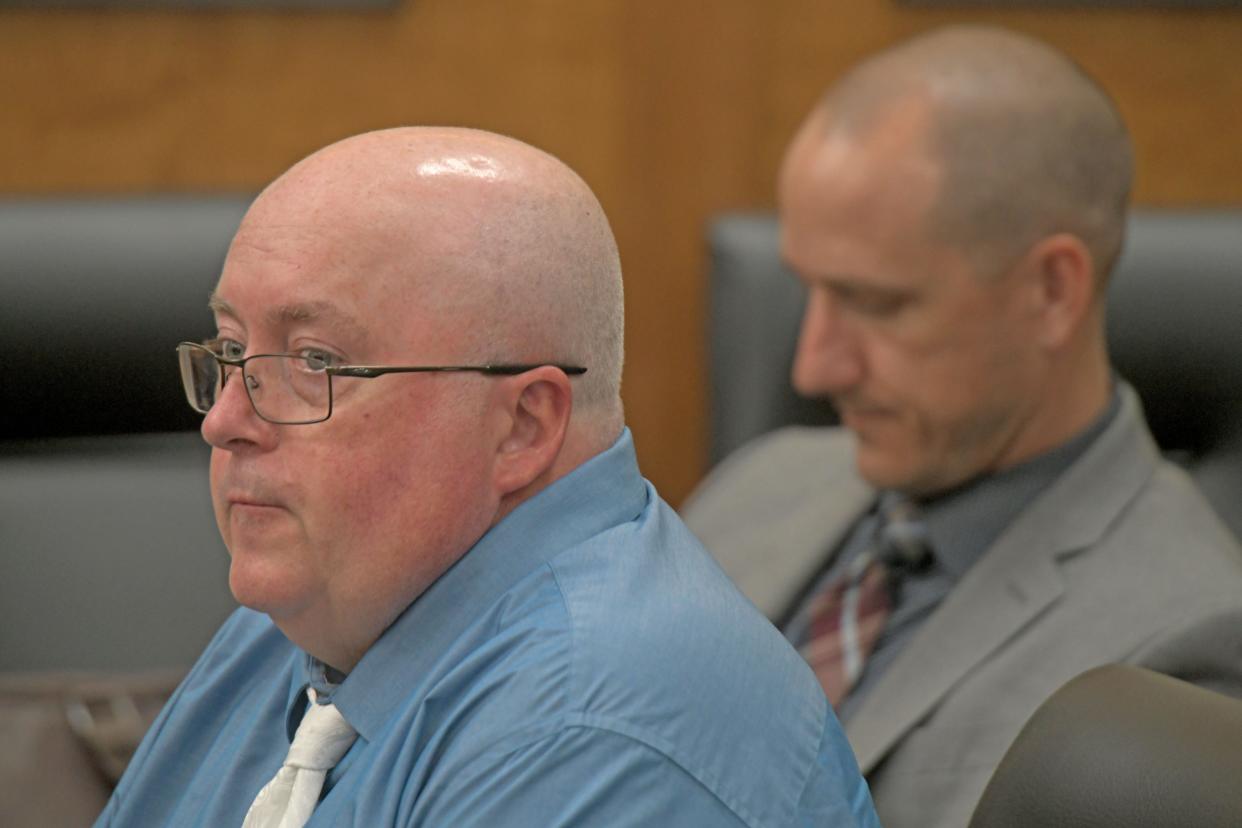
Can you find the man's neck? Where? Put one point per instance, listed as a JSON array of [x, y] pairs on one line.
[[1067, 403]]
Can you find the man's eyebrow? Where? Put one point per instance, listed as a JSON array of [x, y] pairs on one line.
[[217, 305], [845, 283], [808, 279], [321, 311]]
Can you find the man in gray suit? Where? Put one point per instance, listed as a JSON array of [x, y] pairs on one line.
[[954, 206]]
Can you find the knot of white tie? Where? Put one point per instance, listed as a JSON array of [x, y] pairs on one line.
[[322, 739], [288, 800]]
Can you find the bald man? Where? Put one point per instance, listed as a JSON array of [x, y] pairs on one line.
[[993, 518], [462, 603]]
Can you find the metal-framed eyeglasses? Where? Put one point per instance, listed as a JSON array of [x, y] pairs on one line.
[[296, 389]]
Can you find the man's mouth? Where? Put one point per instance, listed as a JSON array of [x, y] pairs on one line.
[[857, 412], [251, 501]]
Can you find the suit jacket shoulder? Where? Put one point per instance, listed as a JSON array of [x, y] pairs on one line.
[[772, 510], [1120, 560]]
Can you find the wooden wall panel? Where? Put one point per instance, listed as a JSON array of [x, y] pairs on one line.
[[672, 109]]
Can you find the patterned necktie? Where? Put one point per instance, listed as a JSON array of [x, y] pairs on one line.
[[288, 800], [848, 614]]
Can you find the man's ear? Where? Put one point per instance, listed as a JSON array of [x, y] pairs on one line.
[[1063, 287], [537, 405]]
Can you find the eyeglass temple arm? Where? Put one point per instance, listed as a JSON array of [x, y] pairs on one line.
[[368, 371]]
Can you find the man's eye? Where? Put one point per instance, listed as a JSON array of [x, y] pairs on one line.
[[230, 349], [317, 360], [873, 303], [878, 305]]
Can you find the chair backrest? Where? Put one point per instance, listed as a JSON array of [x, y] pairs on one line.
[[110, 554], [1121, 746], [1173, 325]]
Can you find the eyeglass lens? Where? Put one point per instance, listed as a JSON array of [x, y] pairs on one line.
[[282, 389]]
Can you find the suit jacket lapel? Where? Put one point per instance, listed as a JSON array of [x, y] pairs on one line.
[[798, 545], [989, 605], [806, 510], [1009, 587]]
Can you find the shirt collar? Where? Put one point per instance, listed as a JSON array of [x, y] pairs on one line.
[[605, 491], [964, 522]]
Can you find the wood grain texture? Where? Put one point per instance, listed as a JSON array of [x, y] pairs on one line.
[[672, 110]]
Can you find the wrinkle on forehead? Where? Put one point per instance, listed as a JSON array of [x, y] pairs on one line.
[[322, 312]]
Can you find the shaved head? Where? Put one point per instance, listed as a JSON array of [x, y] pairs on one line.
[[497, 237], [404, 248], [954, 205], [1027, 143]]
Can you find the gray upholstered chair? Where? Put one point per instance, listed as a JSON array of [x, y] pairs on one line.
[[114, 575], [110, 555], [1175, 330], [1122, 746]]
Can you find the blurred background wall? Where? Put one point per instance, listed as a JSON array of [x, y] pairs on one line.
[[672, 110]]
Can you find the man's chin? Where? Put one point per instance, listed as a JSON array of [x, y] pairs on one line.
[[888, 469], [259, 531], [889, 473], [263, 581]]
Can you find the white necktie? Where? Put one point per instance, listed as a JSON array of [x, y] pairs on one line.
[[288, 800]]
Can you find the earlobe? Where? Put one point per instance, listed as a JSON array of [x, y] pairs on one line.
[[537, 408]]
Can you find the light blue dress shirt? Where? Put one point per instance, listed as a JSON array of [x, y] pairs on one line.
[[586, 663]]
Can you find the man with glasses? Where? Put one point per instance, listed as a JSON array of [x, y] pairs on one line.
[[994, 517], [462, 603]]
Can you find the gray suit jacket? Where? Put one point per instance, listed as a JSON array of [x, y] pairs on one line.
[[1120, 560]]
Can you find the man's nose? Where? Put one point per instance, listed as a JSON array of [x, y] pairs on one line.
[[233, 424], [828, 360]]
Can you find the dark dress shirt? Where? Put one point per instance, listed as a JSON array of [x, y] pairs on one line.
[[962, 524]]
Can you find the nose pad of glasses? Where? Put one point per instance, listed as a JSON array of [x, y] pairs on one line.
[[252, 382]]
